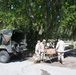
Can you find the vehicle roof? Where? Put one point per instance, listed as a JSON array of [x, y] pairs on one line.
[[10, 32], [6, 31]]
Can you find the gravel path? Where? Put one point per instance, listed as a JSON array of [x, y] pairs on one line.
[[27, 67]]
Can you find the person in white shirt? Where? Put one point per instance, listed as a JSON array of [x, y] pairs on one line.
[[42, 51], [37, 51], [60, 50]]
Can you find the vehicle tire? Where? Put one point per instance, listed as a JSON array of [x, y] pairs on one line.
[[4, 56]]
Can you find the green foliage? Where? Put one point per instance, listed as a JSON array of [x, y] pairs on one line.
[[68, 17], [50, 17]]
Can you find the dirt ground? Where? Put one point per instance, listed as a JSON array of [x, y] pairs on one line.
[[25, 66], [69, 61]]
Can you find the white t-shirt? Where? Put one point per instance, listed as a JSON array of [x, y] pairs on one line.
[[37, 48], [60, 46], [41, 47]]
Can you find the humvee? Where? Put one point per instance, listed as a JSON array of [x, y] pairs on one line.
[[12, 42]]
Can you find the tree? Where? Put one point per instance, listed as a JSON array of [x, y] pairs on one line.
[[39, 18], [68, 15]]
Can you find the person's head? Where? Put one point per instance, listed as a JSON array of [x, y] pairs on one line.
[[43, 41], [60, 37], [38, 41]]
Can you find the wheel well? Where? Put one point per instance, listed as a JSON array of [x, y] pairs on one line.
[[3, 50]]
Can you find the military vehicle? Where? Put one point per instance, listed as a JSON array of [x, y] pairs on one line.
[[12, 42]]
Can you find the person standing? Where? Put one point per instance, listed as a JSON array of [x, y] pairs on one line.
[[60, 50], [37, 51], [41, 51]]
